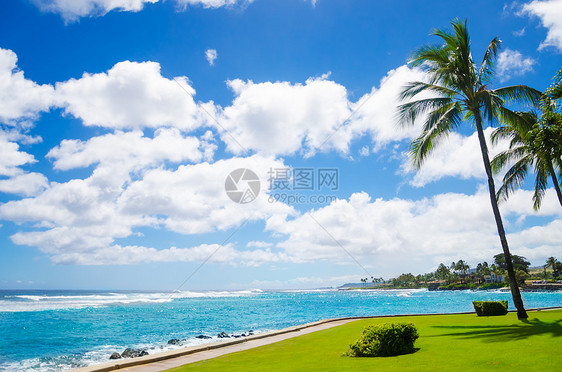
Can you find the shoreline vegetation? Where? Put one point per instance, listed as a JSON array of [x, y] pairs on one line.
[[460, 276]]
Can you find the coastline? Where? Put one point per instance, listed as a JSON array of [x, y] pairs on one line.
[[176, 358], [148, 321]]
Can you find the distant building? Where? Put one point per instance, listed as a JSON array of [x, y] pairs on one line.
[[494, 278]]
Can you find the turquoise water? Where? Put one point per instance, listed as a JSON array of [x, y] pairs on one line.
[[61, 330]]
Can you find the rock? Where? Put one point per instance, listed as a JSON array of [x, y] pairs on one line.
[[203, 337], [174, 341], [133, 353], [115, 356], [223, 335]]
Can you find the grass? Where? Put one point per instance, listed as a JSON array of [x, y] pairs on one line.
[[447, 342]]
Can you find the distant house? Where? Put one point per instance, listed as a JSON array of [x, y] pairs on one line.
[[494, 278], [470, 277]]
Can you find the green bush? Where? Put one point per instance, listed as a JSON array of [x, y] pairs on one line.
[[491, 286], [489, 308], [387, 339]]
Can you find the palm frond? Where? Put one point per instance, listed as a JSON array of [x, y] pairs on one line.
[[416, 87], [408, 112], [520, 93], [514, 178], [487, 66], [438, 125], [505, 157], [541, 181]]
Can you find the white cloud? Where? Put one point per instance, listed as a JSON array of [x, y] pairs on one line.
[[376, 114], [456, 156], [24, 184], [283, 118], [130, 95], [211, 55], [84, 218], [365, 151], [382, 233], [513, 63], [11, 158], [212, 3], [20, 99], [129, 255], [130, 151], [519, 32], [71, 10], [550, 14]]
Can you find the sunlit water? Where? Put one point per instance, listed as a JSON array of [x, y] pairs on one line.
[[61, 330]]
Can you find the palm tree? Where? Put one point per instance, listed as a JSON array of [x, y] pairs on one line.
[[555, 91], [554, 264], [535, 141], [463, 95]]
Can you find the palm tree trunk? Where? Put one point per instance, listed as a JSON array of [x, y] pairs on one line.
[[516, 295], [555, 181]]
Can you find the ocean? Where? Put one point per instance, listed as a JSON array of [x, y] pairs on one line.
[[62, 330]]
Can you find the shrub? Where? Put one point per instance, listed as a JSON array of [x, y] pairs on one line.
[[387, 339], [489, 308], [491, 286]]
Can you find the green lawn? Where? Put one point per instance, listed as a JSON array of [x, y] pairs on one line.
[[447, 342]]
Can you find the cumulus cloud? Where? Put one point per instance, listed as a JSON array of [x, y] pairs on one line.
[[513, 63], [86, 217], [211, 55], [283, 118], [17, 180], [20, 99], [550, 14], [443, 228], [131, 151], [130, 95], [24, 184], [456, 156], [375, 112]]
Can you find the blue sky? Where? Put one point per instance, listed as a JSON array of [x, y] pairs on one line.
[[121, 120]]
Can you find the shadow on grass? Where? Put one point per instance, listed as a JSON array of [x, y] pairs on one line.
[[502, 333]]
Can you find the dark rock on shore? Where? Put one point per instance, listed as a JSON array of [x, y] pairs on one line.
[[223, 335], [115, 356], [203, 337], [133, 353], [174, 341]]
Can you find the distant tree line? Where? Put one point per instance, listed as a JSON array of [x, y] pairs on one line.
[[460, 271]]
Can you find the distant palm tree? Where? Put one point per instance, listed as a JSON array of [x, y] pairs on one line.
[[551, 261], [463, 95], [535, 141]]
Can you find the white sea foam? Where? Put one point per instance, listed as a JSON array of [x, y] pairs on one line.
[[20, 303], [98, 356]]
